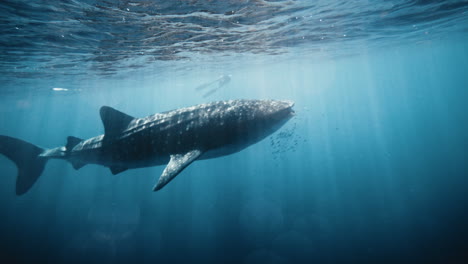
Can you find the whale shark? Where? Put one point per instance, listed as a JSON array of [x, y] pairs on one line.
[[176, 138]]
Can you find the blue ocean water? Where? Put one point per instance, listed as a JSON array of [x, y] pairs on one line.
[[372, 169]]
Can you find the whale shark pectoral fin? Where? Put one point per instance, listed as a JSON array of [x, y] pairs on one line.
[[177, 163], [114, 121], [117, 170]]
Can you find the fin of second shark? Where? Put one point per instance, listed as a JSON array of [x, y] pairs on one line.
[[177, 163]]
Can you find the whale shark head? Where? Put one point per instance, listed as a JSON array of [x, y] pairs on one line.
[[279, 110], [272, 114], [259, 118]]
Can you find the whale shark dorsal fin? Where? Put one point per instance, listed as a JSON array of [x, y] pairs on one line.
[[114, 121], [177, 163], [72, 142]]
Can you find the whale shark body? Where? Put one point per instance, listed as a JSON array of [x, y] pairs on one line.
[[176, 138]]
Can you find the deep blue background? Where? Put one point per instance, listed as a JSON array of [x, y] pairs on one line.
[[373, 170]]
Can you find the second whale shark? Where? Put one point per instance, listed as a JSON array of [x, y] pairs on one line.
[[176, 138]]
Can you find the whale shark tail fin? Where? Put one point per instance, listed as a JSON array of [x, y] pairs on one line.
[[26, 157]]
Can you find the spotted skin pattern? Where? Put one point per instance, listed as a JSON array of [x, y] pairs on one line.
[[176, 137]]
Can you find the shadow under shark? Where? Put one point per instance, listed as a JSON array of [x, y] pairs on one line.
[[176, 138]]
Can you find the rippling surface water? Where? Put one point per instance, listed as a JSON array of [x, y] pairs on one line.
[[373, 168], [42, 39]]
